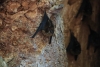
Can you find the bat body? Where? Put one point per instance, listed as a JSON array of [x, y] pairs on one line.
[[46, 26], [74, 47], [85, 8], [94, 39], [49, 29]]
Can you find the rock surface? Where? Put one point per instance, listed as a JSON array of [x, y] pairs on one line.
[[19, 20]]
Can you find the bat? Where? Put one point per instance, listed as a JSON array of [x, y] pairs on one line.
[[49, 30], [85, 8], [46, 26], [74, 47], [93, 39], [42, 24]]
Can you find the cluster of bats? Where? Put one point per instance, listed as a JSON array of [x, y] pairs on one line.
[[74, 47]]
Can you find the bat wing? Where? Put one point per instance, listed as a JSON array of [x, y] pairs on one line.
[[44, 21], [42, 24], [39, 29]]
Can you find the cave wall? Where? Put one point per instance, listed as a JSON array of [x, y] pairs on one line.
[[87, 58], [19, 19]]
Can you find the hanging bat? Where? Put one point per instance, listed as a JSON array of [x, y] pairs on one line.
[[42, 24], [85, 8], [46, 26], [49, 29], [74, 47], [93, 39]]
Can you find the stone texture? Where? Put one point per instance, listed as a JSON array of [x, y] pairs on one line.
[[20, 19], [87, 58]]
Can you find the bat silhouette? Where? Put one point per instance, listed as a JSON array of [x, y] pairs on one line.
[[93, 39], [74, 47], [49, 29], [46, 26], [42, 24], [85, 7]]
